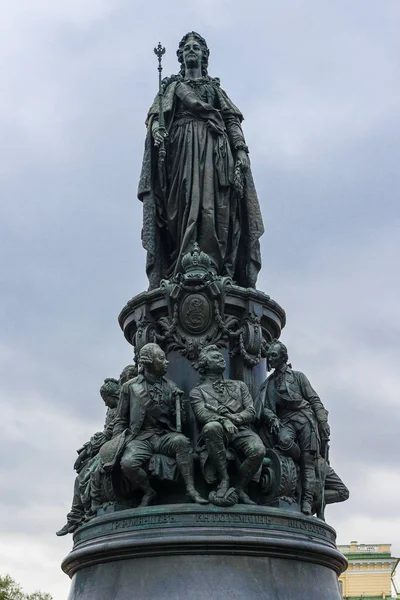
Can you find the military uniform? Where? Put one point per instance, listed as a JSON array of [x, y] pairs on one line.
[[146, 409], [213, 402], [289, 396]]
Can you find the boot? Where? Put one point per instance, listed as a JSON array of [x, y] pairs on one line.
[[217, 453], [331, 496], [68, 528], [139, 479], [292, 450], [185, 465], [245, 475], [308, 464], [306, 507]]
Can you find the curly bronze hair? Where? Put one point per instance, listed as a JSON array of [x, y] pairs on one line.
[[204, 47], [282, 348], [110, 387], [203, 362], [146, 353]]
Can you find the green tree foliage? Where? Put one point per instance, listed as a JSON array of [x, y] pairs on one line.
[[10, 590]]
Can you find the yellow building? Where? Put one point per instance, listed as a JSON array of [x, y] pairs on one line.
[[370, 573]]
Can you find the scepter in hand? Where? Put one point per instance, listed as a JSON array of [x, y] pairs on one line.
[[159, 51]]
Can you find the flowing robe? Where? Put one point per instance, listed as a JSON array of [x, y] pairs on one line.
[[191, 197]]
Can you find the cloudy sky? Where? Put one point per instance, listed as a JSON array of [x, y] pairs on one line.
[[318, 82]]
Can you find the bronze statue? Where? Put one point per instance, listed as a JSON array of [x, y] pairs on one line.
[[201, 228], [293, 414], [146, 408], [224, 409], [101, 478], [196, 183], [86, 463]]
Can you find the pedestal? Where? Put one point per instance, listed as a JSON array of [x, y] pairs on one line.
[[191, 552]]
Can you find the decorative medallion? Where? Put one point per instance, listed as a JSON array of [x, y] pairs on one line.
[[252, 336], [146, 332], [196, 313]]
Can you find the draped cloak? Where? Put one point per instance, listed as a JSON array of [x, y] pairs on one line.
[[191, 197], [295, 401]]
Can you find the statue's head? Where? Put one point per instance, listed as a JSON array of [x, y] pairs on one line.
[[129, 372], [211, 360], [277, 354], [192, 52], [152, 358], [109, 391]]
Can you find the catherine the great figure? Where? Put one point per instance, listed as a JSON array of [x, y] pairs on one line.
[[203, 191]]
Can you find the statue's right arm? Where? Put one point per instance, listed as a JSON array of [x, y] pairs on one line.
[[154, 126], [203, 414], [272, 420], [122, 417], [266, 414], [157, 134]]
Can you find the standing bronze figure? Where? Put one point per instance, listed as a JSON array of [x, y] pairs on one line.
[[203, 190], [293, 413]]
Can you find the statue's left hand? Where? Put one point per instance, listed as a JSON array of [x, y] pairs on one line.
[[236, 419], [325, 430], [230, 427], [242, 159]]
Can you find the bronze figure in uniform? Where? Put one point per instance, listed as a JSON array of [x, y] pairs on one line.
[[293, 418], [225, 411], [146, 410]]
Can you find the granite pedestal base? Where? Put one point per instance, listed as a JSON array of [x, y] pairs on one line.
[[192, 552]]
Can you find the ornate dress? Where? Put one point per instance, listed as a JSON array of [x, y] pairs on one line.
[[195, 196]]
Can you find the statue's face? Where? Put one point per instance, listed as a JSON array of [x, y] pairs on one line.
[[159, 363], [192, 53], [216, 362], [110, 401], [275, 356]]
